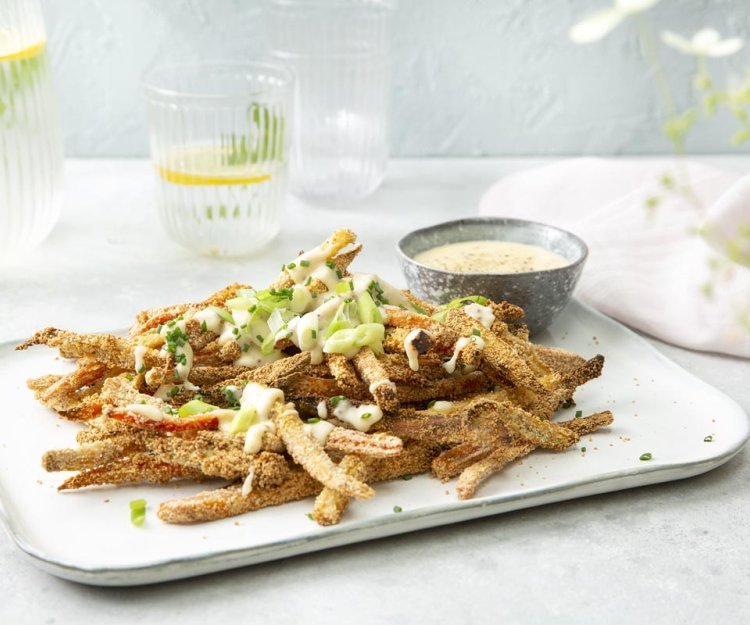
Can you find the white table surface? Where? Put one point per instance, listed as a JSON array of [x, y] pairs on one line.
[[672, 553]]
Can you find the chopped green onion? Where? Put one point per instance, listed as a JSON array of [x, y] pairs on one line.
[[312, 420], [646, 456], [339, 275], [330, 265], [304, 263], [260, 337], [223, 314], [204, 326], [407, 476], [336, 399], [568, 403], [343, 287], [476, 332], [366, 415], [583, 449], [308, 282], [579, 414], [138, 512], [397, 509], [194, 407], [141, 369], [367, 310], [708, 439], [291, 265], [432, 403], [314, 333], [243, 420], [129, 376]]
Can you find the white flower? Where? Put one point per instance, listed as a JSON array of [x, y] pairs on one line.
[[706, 42], [600, 24]]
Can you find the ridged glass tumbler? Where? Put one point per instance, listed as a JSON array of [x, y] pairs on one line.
[[340, 54], [31, 152], [220, 135]]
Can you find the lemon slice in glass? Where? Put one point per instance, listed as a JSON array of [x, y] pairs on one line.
[[211, 165]]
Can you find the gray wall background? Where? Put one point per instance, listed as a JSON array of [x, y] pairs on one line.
[[471, 77]]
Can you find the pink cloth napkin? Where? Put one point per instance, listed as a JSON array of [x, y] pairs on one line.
[[650, 271]]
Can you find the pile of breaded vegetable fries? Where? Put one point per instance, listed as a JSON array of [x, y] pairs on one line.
[[320, 385]]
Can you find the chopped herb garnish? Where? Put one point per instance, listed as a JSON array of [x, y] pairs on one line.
[[339, 275], [419, 309], [646, 456], [579, 414], [291, 265], [397, 509], [129, 376], [308, 282], [138, 512], [171, 324], [314, 334], [568, 403], [708, 439], [204, 326], [583, 449], [330, 265], [314, 295], [312, 420], [366, 415], [476, 332], [283, 267], [260, 337], [304, 263], [407, 476], [175, 390], [336, 399], [245, 347], [141, 369], [431, 403], [309, 516]]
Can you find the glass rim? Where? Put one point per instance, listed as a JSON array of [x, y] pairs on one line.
[[152, 88]]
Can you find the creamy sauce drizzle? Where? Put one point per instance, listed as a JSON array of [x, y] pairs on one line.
[[362, 417], [319, 431], [450, 366], [490, 257], [148, 411], [377, 384], [411, 351], [483, 314], [442, 406]]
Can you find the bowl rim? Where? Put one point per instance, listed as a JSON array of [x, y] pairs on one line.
[[506, 220]]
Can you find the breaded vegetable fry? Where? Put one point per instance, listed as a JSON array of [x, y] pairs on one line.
[[322, 383], [330, 504]]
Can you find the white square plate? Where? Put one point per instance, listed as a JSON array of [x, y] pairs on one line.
[[87, 536]]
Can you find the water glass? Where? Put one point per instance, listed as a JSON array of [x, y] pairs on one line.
[[220, 135], [339, 52], [31, 152]]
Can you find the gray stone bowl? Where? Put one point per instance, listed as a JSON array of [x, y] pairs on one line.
[[542, 294]]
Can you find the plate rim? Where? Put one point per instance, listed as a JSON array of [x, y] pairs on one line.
[[159, 570]]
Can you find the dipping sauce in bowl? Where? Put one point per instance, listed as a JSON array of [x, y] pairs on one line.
[[533, 265], [490, 257]]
